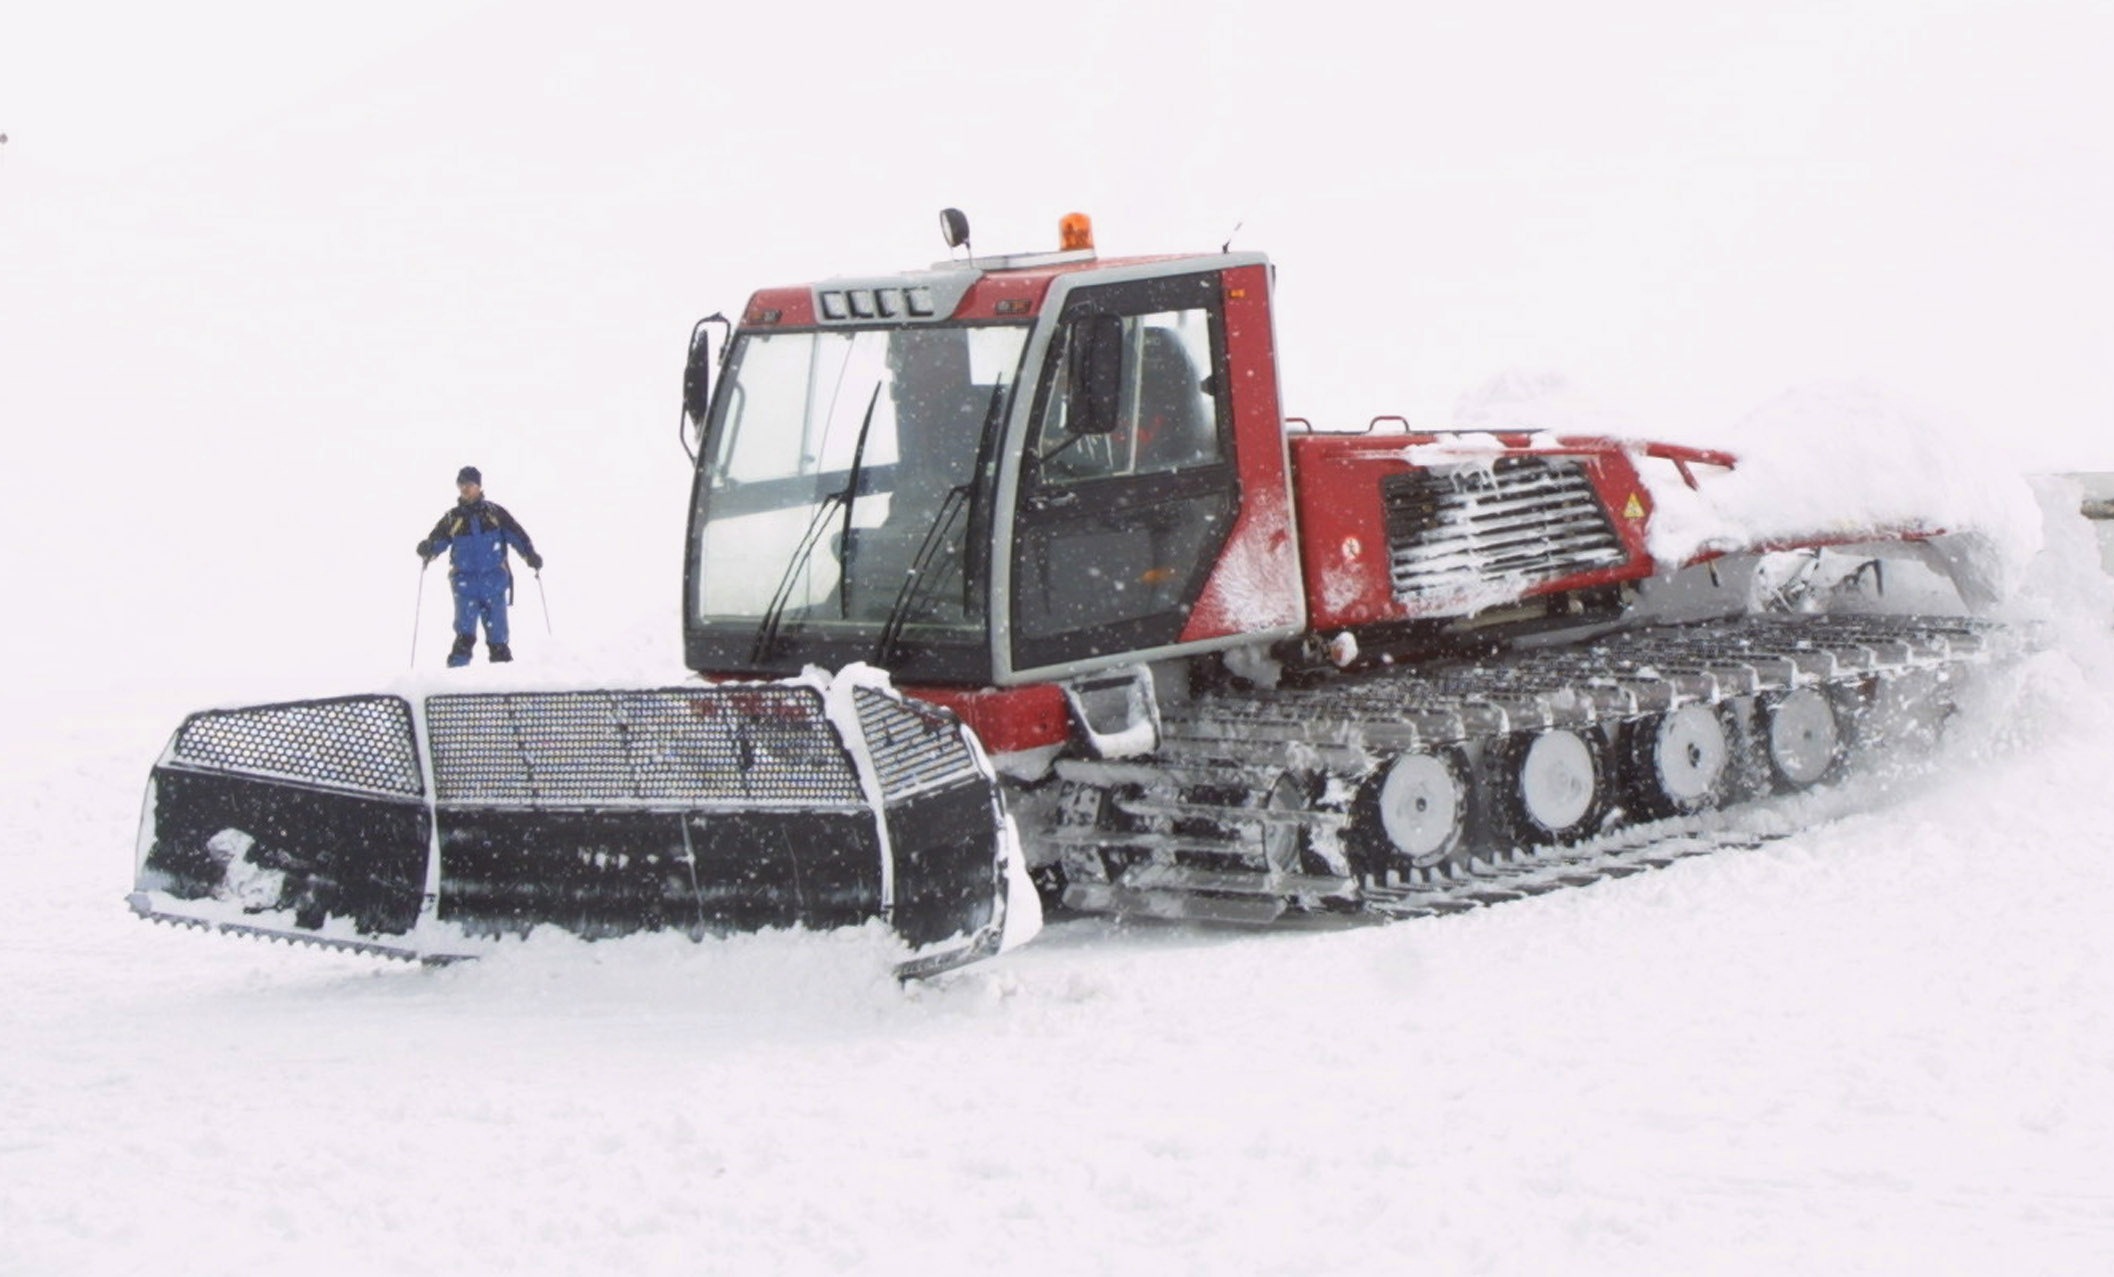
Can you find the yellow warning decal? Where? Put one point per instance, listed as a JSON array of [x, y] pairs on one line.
[[1635, 509]]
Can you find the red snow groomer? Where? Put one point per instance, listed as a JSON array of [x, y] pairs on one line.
[[1211, 665]]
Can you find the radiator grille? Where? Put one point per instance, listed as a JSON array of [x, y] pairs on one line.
[[360, 743], [686, 747], [1512, 524]]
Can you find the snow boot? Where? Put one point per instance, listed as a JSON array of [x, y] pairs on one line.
[[460, 653], [500, 652]]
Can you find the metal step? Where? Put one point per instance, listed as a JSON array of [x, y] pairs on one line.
[[1234, 815], [1187, 878]]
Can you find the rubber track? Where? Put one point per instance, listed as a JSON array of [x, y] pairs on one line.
[[1632, 850], [1236, 745]]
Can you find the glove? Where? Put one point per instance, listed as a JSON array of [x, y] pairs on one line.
[[535, 561], [425, 553]]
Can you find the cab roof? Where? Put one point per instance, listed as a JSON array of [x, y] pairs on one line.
[[1011, 287]]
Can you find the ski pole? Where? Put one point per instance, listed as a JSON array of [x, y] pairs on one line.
[[417, 609], [546, 601]]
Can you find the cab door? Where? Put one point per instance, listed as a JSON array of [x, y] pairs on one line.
[[1127, 489]]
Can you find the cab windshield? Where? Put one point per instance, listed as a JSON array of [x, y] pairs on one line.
[[842, 483]]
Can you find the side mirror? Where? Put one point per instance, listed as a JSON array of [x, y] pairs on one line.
[[697, 376], [1094, 375], [697, 383]]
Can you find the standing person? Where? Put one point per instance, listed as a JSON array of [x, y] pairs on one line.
[[476, 534]]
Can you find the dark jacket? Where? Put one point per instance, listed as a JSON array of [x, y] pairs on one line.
[[476, 536]]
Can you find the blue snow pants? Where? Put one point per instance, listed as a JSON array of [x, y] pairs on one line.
[[479, 597]]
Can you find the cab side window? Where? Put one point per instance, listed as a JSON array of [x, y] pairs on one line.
[[1156, 409]]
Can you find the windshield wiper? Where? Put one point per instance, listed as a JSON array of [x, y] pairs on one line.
[[851, 494], [917, 585], [774, 615], [767, 632]]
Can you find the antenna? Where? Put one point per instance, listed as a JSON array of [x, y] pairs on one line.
[[1227, 247]]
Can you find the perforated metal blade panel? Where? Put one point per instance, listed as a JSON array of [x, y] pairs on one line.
[[700, 809], [1518, 521], [306, 811], [358, 743], [914, 749], [677, 747]]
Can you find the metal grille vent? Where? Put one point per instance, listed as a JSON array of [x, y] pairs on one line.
[[675, 747], [361, 743], [912, 749], [1515, 522]]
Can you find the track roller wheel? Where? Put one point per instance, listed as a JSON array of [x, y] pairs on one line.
[[1284, 842], [1555, 786], [1802, 737], [1415, 811], [1679, 762]]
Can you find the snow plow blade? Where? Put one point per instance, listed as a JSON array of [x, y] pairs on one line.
[[435, 828]]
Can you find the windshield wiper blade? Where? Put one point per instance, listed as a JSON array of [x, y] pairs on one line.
[[851, 494], [774, 615], [917, 585]]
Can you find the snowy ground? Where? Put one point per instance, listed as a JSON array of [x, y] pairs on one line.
[[1883, 1046]]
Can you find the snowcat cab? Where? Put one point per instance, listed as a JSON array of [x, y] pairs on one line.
[[1008, 481]]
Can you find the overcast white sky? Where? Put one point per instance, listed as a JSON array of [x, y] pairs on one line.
[[1679, 208], [340, 252], [109, 86]]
